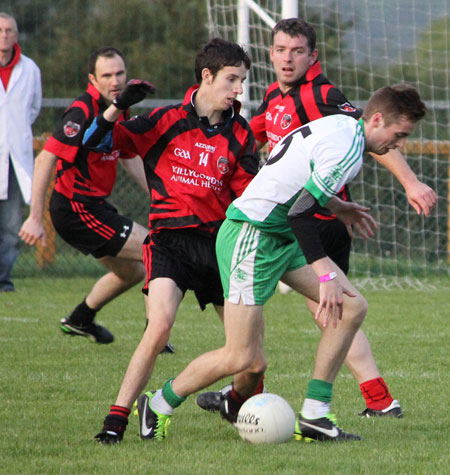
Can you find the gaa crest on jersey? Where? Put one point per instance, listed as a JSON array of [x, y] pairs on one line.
[[223, 164], [346, 107], [286, 121], [71, 129]]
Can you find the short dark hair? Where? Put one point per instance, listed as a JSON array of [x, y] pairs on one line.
[[218, 53], [394, 102], [296, 27], [105, 52]]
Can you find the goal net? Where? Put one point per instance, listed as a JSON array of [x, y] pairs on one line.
[[364, 45]]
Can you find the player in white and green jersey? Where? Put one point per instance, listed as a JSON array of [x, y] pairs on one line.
[[319, 158], [270, 232]]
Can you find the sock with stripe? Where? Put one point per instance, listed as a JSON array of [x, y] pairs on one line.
[[117, 419], [318, 399]]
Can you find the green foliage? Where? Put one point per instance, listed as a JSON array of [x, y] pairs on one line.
[[156, 37], [56, 390]]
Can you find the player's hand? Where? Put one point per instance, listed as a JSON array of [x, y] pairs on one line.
[[356, 216], [134, 92], [31, 231], [422, 198], [331, 302]]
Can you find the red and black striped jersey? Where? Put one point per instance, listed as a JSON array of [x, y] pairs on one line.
[[193, 170], [313, 97], [82, 173]]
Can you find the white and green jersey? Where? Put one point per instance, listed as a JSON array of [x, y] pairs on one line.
[[321, 156]]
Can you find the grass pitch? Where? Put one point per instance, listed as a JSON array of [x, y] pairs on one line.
[[56, 390]]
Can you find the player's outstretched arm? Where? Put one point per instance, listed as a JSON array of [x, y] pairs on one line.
[[33, 229], [98, 136], [134, 92], [420, 196]]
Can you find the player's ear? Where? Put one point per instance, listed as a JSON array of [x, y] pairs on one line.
[[92, 79], [378, 119], [314, 56], [207, 76]]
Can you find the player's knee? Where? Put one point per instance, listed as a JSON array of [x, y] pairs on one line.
[[132, 274], [157, 334], [258, 365], [355, 310], [236, 362], [140, 273]]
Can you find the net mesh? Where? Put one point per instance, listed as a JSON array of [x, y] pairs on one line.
[[364, 45]]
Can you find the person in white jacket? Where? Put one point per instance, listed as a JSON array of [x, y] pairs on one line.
[[20, 103]]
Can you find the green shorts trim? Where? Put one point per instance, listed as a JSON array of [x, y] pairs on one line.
[[251, 262]]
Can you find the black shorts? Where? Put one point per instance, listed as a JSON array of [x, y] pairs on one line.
[[188, 257], [91, 226], [336, 241]]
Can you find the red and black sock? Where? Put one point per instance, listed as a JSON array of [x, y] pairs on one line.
[[376, 394], [260, 388], [117, 419]]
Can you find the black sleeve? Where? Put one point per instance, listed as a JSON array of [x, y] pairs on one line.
[[98, 136], [302, 221], [339, 104]]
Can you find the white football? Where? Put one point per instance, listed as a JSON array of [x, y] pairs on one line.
[[266, 418]]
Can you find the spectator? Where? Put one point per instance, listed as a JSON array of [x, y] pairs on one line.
[[20, 103]]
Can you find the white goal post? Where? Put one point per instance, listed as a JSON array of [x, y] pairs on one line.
[[364, 45]]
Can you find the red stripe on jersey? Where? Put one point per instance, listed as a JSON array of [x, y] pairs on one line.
[[83, 106], [65, 151], [91, 221], [309, 103], [324, 91]]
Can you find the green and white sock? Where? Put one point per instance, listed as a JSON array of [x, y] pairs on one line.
[[318, 399], [160, 405]]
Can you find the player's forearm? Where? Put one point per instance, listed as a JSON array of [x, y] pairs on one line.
[[112, 113], [336, 205], [135, 169], [396, 163], [322, 267], [304, 225], [44, 166]]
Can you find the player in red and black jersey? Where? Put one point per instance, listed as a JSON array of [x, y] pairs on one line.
[[197, 156], [84, 179], [302, 94]]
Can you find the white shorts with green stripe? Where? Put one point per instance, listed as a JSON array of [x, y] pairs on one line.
[[251, 262]]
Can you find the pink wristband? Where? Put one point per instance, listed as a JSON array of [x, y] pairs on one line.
[[327, 277]]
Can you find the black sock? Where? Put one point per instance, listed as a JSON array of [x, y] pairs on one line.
[[117, 419], [82, 315]]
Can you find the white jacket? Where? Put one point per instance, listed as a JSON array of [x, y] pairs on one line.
[[19, 106]]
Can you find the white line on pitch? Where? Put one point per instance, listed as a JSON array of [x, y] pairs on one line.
[[21, 320]]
